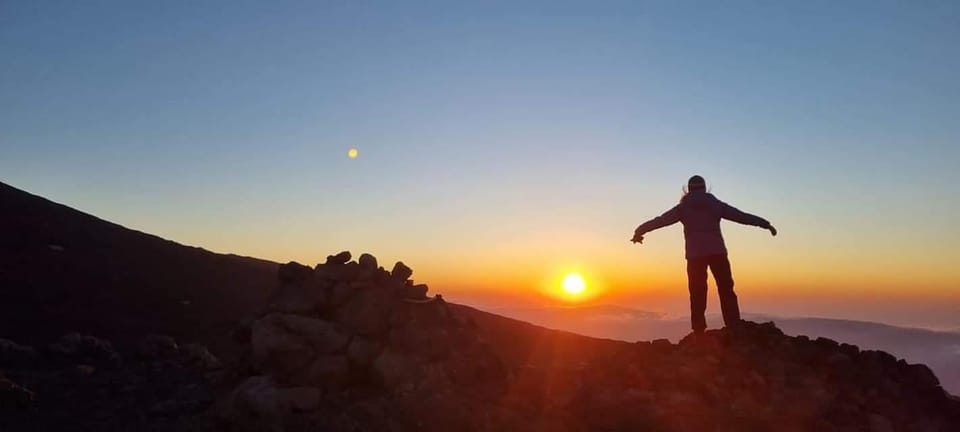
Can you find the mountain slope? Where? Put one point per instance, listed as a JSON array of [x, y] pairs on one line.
[[62, 270]]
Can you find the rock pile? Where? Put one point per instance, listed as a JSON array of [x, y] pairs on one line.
[[349, 335], [756, 378]]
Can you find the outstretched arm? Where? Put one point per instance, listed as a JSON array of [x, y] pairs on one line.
[[732, 213], [671, 217]]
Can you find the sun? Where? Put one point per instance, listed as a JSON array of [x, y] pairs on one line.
[[353, 153], [573, 283]]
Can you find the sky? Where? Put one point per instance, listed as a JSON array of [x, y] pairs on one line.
[[502, 145]]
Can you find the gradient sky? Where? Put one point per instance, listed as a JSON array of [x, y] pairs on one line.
[[503, 144]]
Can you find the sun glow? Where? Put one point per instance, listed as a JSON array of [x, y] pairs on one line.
[[573, 284]]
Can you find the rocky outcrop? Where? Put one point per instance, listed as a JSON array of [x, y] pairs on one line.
[[756, 378], [361, 337]]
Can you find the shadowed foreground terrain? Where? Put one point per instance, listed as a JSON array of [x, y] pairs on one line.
[[350, 346], [938, 349]]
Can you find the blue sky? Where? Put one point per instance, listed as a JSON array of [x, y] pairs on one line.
[[488, 130]]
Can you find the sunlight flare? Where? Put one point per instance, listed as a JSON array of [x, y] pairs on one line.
[[573, 284]]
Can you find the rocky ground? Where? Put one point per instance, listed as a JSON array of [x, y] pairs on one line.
[[82, 383], [350, 346]]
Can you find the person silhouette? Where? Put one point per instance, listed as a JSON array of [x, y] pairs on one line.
[[701, 212]]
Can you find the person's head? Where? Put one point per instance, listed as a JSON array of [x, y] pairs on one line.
[[696, 183]]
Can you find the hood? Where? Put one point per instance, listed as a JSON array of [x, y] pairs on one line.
[[699, 199]]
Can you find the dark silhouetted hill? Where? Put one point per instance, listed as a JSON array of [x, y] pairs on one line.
[[64, 271]]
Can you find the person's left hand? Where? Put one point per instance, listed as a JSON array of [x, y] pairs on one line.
[[637, 238]]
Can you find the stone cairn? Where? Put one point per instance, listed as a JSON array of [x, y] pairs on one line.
[[347, 325]]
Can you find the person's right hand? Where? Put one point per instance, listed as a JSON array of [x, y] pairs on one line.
[[773, 231]]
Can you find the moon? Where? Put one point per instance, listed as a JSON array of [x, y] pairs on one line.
[[353, 153]]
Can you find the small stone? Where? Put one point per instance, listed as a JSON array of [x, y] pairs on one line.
[[340, 258], [401, 271]]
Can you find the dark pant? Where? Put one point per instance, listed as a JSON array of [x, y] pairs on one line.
[[697, 282]]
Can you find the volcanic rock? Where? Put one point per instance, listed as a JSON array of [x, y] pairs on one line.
[[14, 354], [198, 356], [78, 348], [14, 397], [157, 347], [340, 258], [282, 342], [368, 262], [401, 271]]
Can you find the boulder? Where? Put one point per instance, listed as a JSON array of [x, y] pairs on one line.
[[922, 377], [200, 357], [362, 351], [259, 398], [340, 258], [339, 294], [328, 371], [367, 312], [292, 272], [78, 348], [277, 351], [304, 296], [401, 271], [285, 343], [368, 262], [14, 354], [339, 272], [155, 347], [416, 292], [323, 336]]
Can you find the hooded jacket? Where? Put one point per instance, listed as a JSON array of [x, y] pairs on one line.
[[700, 212]]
